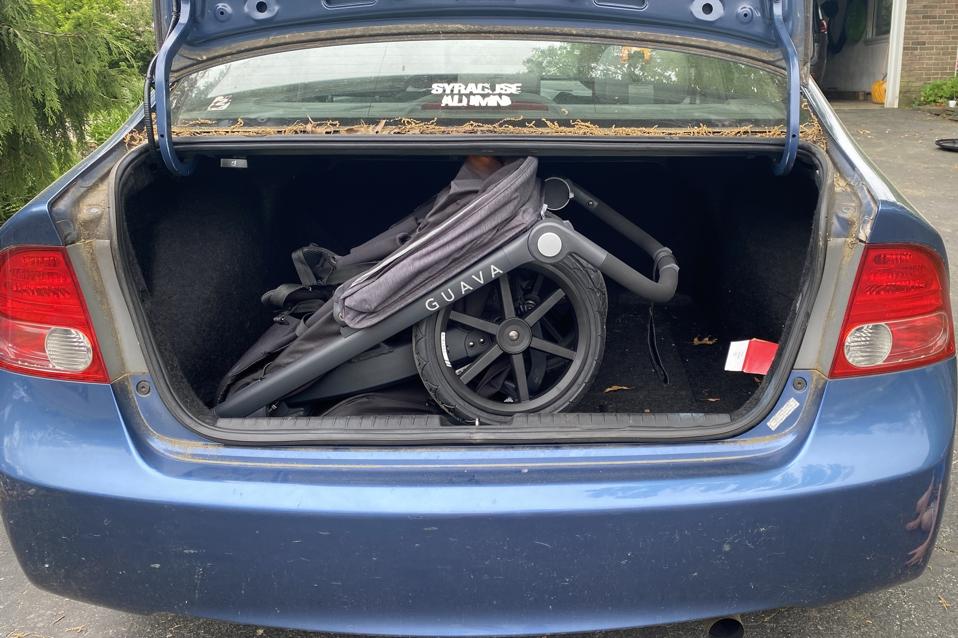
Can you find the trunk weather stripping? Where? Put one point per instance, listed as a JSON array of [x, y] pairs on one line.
[[790, 53], [164, 62]]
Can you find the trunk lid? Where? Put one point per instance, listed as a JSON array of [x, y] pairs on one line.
[[200, 33]]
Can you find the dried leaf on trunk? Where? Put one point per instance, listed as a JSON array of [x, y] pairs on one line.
[[616, 388], [704, 341], [810, 131]]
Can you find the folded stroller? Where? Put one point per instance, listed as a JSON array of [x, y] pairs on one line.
[[497, 305]]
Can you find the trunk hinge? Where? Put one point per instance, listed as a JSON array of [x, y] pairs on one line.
[[179, 28], [794, 80]]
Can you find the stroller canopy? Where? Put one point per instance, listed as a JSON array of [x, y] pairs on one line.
[[484, 206]]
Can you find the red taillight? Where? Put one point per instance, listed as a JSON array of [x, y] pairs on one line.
[[45, 329], [899, 314]]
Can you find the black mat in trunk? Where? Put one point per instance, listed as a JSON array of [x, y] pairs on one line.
[[697, 381]]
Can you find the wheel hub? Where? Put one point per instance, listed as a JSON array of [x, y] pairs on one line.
[[514, 336]]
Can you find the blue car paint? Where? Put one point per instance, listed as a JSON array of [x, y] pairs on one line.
[[470, 541], [32, 225], [896, 224]]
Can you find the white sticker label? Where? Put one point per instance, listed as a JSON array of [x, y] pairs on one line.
[[783, 413], [476, 94], [735, 360], [445, 353]]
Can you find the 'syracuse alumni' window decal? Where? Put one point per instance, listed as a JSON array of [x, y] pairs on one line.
[[476, 94]]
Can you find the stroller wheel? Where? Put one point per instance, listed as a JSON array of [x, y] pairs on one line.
[[530, 341]]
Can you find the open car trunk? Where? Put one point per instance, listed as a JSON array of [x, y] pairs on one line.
[[199, 252]]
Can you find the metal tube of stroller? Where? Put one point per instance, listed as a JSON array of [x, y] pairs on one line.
[[560, 190], [614, 218], [659, 291]]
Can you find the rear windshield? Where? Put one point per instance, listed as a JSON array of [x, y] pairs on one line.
[[483, 83]]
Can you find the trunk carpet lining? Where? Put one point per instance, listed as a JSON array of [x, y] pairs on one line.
[[207, 252], [697, 380]]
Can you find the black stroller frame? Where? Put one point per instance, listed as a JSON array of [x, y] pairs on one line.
[[548, 241]]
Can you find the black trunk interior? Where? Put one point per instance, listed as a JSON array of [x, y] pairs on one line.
[[204, 249]]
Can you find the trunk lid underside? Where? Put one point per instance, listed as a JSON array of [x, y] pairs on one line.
[[772, 31], [217, 31]]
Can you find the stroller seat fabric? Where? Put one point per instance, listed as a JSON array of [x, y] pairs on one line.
[[486, 204]]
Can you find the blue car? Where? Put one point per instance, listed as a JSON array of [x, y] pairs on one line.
[[536, 445]]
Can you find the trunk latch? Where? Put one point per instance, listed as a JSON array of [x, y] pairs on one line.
[[180, 27], [793, 99]]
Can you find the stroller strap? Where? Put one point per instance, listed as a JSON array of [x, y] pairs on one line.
[[318, 267]]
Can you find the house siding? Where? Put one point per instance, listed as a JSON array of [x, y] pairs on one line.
[[930, 45]]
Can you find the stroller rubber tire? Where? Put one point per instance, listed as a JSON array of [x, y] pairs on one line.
[[578, 317]]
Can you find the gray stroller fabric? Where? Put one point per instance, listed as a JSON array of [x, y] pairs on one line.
[[474, 215], [484, 206]]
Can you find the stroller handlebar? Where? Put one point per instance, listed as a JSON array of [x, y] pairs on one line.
[[560, 191], [659, 291]]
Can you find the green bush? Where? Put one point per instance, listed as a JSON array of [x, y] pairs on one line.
[[939, 91], [68, 69]]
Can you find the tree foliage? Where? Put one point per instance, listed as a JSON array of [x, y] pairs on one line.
[[673, 75], [64, 65]]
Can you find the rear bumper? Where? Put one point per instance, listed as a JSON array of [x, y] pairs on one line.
[[477, 541]]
